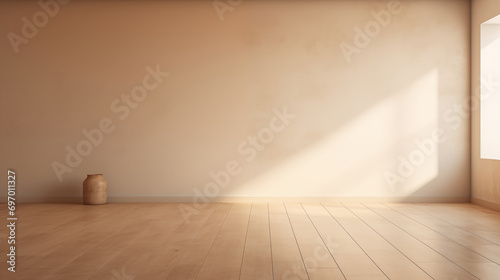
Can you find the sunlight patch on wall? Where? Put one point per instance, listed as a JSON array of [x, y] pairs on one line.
[[352, 160]]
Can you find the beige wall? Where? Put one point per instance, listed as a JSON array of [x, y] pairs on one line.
[[365, 107], [485, 173]]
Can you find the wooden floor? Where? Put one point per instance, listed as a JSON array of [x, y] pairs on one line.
[[282, 241]]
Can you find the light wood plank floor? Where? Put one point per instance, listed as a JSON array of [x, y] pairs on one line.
[[224, 241]]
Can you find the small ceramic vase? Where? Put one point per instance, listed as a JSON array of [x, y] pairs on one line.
[[94, 190]]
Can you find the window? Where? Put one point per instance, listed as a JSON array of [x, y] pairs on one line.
[[490, 89]]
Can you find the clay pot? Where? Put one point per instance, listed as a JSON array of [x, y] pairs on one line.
[[94, 189]]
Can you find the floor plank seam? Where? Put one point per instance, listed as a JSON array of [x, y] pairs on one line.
[[191, 242], [296, 241], [460, 228], [451, 239], [361, 248], [326, 245], [215, 238], [270, 240], [446, 238], [246, 236], [424, 243], [387, 241]]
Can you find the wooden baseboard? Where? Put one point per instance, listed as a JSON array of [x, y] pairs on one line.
[[487, 204], [185, 199]]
